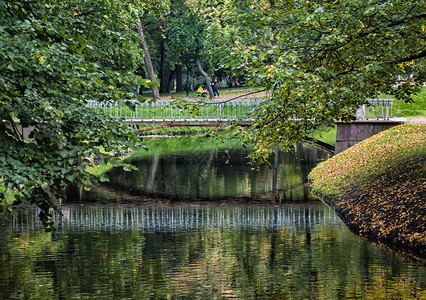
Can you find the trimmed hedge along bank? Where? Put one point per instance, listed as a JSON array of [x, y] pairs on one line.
[[378, 188]]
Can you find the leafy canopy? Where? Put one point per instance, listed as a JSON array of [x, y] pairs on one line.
[[49, 67], [322, 59]]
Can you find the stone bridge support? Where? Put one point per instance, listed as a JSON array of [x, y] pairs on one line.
[[349, 134]]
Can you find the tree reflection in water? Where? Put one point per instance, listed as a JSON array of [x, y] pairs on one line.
[[199, 251], [213, 174]]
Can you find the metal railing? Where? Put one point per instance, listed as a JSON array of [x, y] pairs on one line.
[[376, 109], [239, 109], [179, 110]]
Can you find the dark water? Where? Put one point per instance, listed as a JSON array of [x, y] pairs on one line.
[[192, 169], [211, 232], [199, 251]]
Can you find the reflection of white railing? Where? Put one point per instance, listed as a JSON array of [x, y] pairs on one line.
[[175, 110], [152, 218], [376, 109]]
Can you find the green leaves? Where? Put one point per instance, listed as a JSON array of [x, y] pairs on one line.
[[104, 178], [321, 60], [51, 65]]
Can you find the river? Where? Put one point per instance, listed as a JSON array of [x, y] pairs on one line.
[[197, 222]]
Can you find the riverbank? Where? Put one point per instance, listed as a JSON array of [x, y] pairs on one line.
[[378, 188]]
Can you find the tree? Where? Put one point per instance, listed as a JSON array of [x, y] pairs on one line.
[[116, 47], [176, 29], [186, 34], [49, 70], [148, 62], [324, 59], [186, 31], [144, 10], [194, 33]]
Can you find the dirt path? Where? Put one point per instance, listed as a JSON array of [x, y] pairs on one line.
[[417, 120]]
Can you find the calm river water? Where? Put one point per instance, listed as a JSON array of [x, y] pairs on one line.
[[191, 248]]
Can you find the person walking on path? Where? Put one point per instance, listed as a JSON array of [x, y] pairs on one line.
[[215, 85]]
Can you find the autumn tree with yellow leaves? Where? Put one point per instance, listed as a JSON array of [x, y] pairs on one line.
[[321, 60]]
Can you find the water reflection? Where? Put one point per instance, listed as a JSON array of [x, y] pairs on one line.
[[221, 172], [199, 252], [181, 217]]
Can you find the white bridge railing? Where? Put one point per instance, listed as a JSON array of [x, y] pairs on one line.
[[179, 110], [215, 110], [376, 109]]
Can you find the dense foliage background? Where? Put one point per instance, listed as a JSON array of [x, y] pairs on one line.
[[50, 61]]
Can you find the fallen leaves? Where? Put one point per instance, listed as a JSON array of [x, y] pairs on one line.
[[379, 187]]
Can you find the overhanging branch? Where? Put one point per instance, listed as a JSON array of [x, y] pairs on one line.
[[422, 54]]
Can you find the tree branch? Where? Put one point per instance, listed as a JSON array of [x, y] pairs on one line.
[[86, 13], [414, 56], [240, 96]]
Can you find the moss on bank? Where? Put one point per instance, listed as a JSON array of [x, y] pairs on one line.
[[378, 187]]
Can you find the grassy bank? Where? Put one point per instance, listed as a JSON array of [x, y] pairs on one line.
[[378, 187]]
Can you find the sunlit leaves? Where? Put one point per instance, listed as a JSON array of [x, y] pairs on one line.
[[323, 59]]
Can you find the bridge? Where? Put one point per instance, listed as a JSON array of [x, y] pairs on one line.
[[182, 112], [372, 117]]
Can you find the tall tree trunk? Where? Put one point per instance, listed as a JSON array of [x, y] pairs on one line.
[[179, 81], [204, 74], [148, 62], [164, 70], [171, 81], [141, 72]]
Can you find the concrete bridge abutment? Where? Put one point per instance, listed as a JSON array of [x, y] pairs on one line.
[[349, 134]]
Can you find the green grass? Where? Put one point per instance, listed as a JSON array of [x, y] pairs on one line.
[[168, 145], [182, 144], [326, 135], [415, 109], [174, 131]]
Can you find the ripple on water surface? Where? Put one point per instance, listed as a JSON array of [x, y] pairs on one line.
[[199, 252]]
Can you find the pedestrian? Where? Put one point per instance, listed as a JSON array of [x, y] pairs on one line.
[[212, 84], [215, 85]]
